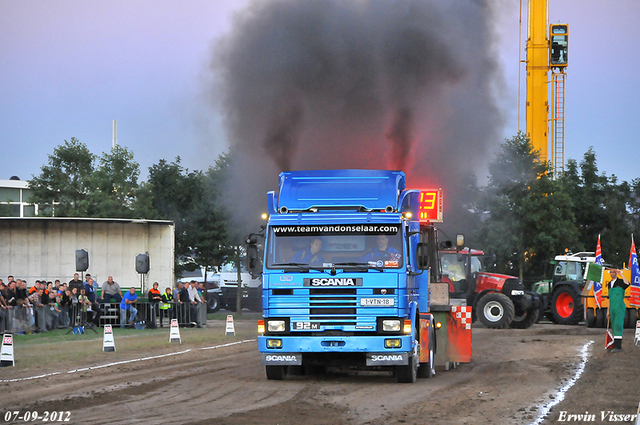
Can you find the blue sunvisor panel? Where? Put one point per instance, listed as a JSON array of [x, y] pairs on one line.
[[369, 189]]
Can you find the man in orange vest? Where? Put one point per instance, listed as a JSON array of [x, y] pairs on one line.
[[154, 297]]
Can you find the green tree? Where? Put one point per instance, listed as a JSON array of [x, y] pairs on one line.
[[114, 185], [528, 219], [173, 192], [210, 231], [601, 206], [63, 184]]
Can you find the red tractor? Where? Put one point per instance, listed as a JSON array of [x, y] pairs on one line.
[[498, 300]]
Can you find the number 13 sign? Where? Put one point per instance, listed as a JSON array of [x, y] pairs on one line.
[[430, 205]]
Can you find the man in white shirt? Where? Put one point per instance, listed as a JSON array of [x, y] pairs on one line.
[[195, 299]]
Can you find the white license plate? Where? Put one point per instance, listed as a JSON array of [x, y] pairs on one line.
[[377, 302]]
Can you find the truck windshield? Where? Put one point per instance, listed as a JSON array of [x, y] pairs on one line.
[[366, 245]]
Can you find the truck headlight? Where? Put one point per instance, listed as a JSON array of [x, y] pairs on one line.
[[516, 292], [391, 325], [276, 326]]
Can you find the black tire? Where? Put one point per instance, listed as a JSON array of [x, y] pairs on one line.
[[528, 319], [276, 373], [549, 316], [591, 318], [314, 369], [566, 306], [295, 371], [540, 311], [630, 318], [601, 317], [213, 303], [408, 374], [427, 370], [495, 310]]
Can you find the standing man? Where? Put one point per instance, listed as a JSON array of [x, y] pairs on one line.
[[110, 289], [195, 299], [76, 282], [155, 297], [90, 292], [617, 308], [185, 304], [126, 304]]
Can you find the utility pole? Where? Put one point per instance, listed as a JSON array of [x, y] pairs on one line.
[[115, 134]]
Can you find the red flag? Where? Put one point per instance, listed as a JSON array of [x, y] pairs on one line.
[[597, 286], [608, 344]]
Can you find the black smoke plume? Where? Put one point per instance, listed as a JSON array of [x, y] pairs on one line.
[[313, 84]]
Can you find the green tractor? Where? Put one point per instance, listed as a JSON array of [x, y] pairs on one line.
[[561, 295]]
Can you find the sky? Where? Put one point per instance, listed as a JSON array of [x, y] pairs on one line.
[[69, 68]]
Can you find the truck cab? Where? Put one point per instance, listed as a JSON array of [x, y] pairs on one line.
[[346, 275]]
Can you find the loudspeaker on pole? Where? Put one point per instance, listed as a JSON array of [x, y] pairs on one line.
[[82, 260], [142, 263]]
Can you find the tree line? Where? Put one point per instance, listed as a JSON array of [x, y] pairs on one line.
[[77, 183], [526, 217], [523, 214]]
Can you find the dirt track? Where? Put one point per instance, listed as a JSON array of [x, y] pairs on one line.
[[512, 375]]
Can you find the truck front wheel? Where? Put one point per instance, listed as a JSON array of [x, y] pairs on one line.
[[409, 374], [276, 373], [495, 310]]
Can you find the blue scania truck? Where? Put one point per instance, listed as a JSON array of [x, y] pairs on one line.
[[351, 277]]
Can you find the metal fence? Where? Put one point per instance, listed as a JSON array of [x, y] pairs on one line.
[[22, 320]]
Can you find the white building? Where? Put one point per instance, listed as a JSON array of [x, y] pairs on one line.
[[15, 199]]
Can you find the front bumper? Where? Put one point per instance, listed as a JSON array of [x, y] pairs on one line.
[[291, 349]]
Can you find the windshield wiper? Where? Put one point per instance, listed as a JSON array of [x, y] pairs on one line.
[[359, 264], [305, 267]]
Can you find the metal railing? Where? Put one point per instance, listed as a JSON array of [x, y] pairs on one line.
[[23, 320]]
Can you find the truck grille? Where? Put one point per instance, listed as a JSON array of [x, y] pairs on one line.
[[330, 307]]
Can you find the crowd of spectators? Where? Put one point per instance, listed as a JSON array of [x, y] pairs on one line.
[[53, 305]]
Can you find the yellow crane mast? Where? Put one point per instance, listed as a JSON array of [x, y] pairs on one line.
[[544, 56]]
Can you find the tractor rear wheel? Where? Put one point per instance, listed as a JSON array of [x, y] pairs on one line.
[[495, 310], [566, 306]]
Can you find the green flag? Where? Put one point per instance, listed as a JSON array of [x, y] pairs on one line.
[[594, 272]]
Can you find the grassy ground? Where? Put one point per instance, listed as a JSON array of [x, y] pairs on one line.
[[60, 350]]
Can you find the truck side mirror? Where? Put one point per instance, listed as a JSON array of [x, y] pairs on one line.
[[422, 256], [253, 257]]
